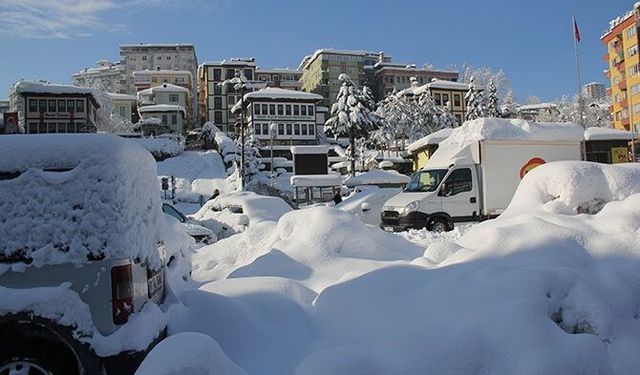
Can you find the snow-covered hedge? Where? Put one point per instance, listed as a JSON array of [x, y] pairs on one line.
[[161, 148], [105, 202]]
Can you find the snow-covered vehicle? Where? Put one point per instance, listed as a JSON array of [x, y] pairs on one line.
[[195, 230], [81, 257], [475, 172]]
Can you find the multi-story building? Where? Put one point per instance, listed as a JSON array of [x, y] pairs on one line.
[[105, 76], [146, 79], [444, 93], [161, 57], [389, 77], [623, 69], [283, 78], [594, 91], [124, 106], [215, 99], [292, 112], [167, 103], [50, 108], [4, 106], [320, 70]]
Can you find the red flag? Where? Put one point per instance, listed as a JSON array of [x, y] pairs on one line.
[[576, 32]]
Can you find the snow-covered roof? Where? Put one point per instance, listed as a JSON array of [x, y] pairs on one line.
[[377, 177], [316, 180], [431, 139], [598, 134], [278, 93], [117, 96], [447, 85], [309, 150], [39, 87], [106, 204], [456, 148], [232, 61], [618, 20], [160, 72], [307, 59], [537, 106], [279, 71], [160, 45], [162, 108]]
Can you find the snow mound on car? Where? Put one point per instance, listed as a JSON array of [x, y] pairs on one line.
[[72, 198]]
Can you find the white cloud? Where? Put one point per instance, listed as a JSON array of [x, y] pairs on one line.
[[64, 18]]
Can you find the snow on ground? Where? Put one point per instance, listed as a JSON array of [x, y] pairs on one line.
[[543, 289], [197, 173]]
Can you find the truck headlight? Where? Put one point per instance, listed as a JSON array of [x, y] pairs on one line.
[[413, 206]]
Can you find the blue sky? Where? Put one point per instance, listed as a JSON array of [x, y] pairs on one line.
[[531, 41]]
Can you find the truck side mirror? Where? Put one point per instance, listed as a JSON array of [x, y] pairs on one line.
[[445, 190]]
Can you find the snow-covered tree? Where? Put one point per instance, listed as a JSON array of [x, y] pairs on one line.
[[474, 102], [252, 155], [509, 104], [428, 116], [532, 99], [492, 101], [446, 119], [351, 115], [106, 120], [483, 75]]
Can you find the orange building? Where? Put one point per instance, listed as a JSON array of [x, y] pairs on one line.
[[623, 69]]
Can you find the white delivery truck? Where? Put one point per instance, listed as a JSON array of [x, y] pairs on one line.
[[470, 183]]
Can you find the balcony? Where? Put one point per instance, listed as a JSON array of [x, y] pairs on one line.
[[607, 73], [625, 123], [623, 84], [610, 108], [623, 103], [605, 57], [619, 66]]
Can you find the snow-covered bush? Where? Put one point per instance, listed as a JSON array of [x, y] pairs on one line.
[[161, 148]]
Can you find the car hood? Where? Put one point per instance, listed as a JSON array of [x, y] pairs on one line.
[[404, 198]]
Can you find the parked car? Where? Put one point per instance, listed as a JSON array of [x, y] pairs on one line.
[[195, 230], [80, 254]]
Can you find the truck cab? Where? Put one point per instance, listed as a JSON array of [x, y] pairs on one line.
[[435, 199]]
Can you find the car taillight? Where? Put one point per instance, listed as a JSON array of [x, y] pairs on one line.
[[121, 293]]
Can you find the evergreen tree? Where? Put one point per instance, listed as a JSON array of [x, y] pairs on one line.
[[492, 106], [252, 155], [474, 102], [351, 115], [446, 119]]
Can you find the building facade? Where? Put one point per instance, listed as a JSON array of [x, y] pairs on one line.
[[105, 76], [390, 77], [623, 71], [50, 108], [161, 79], [167, 103], [283, 78], [215, 99], [4, 106], [320, 71], [170, 119], [594, 91], [124, 106]]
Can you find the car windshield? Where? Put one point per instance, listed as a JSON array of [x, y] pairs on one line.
[[170, 210], [426, 181]]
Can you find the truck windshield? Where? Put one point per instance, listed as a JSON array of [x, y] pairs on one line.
[[426, 181]]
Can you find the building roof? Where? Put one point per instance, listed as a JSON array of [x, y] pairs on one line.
[[447, 85], [279, 70], [618, 20], [431, 139], [117, 96], [161, 71], [606, 134], [158, 45], [307, 59], [40, 87], [232, 62], [278, 93], [162, 108], [537, 106]]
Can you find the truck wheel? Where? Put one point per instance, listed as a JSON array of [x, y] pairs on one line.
[[31, 358], [438, 225]]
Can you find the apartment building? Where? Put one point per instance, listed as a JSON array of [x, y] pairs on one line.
[[106, 76], [51, 108], [146, 79], [594, 91], [320, 70], [282, 78], [391, 77], [216, 100], [166, 103], [124, 106], [623, 71], [4, 106]]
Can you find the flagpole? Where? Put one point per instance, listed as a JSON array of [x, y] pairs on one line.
[[575, 48]]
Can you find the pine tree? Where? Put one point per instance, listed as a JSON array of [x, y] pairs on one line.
[[446, 119], [492, 106], [474, 102], [351, 115], [252, 155]]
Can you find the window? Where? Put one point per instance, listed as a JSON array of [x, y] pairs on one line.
[[312, 129], [33, 127], [265, 129], [217, 89], [257, 129], [33, 105], [71, 105], [296, 129], [437, 98], [265, 109], [62, 105], [62, 127], [272, 109], [445, 99], [217, 102], [281, 129], [288, 109], [159, 58], [280, 109], [231, 100], [174, 119], [631, 31], [256, 109], [288, 129], [634, 70], [79, 105], [123, 111], [458, 182], [230, 74], [217, 117], [173, 98], [217, 74], [248, 73], [42, 128], [154, 79], [144, 58], [303, 110], [52, 128], [633, 50], [456, 100], [42, 103], [303, 129], [296, 110], [310, 110], [458, 119]]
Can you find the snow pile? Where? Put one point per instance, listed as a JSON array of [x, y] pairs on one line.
[[73, 198], [378, 177], [457, 145], [188, 353], [431, 139], [196, 173], [161, 148], [596, 134]]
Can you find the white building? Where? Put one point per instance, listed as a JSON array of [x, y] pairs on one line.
[[51, 108], [171, 118], [105, 76], [167, 103], [124, 106]]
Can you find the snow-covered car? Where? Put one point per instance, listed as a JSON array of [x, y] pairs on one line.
[[366, 202], [195, 230], [81, 257]]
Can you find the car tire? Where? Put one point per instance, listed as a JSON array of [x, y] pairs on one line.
[[438, 225], [40, 358]]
